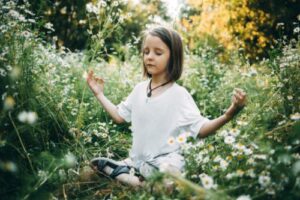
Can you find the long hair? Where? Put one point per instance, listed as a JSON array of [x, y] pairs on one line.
[[174, 42]]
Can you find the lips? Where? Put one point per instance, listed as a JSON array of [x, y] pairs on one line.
[[150, 65]]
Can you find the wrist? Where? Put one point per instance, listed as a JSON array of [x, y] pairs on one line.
[[233, 110], [99, 95]]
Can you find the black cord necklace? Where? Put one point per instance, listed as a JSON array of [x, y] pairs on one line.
[[149, 93]]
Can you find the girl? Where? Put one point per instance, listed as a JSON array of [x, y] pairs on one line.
[[159, 110]]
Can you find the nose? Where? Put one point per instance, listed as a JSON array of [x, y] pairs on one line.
[[149, 56]]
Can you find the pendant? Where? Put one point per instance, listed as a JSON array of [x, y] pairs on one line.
[[149, 94]]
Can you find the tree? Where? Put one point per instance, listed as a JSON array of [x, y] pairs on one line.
[[249, 25]]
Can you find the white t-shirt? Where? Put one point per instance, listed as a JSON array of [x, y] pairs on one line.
[[159, 124]]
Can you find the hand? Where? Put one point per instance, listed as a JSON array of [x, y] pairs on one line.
[[239, 98], [96, 84], [238, 103]]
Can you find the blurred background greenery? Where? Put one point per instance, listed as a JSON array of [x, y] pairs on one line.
[[51, 125]]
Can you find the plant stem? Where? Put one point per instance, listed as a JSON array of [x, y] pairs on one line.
[[22, 144]]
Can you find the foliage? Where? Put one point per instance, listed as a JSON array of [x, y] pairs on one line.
[[115, 24], [246, 25], [51, 125]]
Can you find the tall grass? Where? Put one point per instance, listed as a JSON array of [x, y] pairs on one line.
[[52, 125]]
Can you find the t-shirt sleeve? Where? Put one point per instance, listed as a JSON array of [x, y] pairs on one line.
[[190, 117], [125, 107]]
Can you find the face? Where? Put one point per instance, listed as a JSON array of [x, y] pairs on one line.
[[156, 55]]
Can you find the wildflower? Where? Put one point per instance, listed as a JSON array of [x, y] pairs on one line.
[[244, 197], [85, 75], [22, 116], [199, 158], [171, 141], [206, 159], [234, 132], [241, 123], [248, 151], [224, 133], [27, 117], [200, 143], [3, 72], [252, 72], [31, 117], [281, 122], [181, 139], [63, 11], [14, 14], [42, 174], [223, 164], [9, 166], [115, 4], [89, 7], [240, 172], [109, 154], [104, 135], [260, 156], [217, 159], [296, 168], [74, 111], [103, 3], [206, 181], [70, 160], [289, 97], [295, 116], [9, 103], [251, 173], [82, 22], [229, 139], [26, 34], [62, 174], [32, 21], [239, 146], [270, 191], [230, 176], [49, 26], [264, 180], [297, 30]]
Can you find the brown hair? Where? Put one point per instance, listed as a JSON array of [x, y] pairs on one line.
[[173, 40]]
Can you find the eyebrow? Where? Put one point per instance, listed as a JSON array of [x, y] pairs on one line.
[[156, 48]]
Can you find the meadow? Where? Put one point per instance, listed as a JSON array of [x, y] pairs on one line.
[[51, 124]]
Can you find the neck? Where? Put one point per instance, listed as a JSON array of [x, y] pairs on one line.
[[158, 80]]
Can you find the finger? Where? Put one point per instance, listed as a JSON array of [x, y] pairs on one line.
[[90, 74], [239, 97], [239, 90], [242, 93], [235, 101], [99, 80]]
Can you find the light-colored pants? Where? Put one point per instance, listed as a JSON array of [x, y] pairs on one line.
[[172, 163]]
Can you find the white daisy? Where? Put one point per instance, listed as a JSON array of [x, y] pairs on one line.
[[206, 181], [264, 180], [229, 139], [244, 197]]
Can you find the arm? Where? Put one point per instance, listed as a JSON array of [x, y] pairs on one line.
[[96, 84], [238, 103]]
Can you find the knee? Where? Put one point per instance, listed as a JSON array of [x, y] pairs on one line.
[[169, 168]]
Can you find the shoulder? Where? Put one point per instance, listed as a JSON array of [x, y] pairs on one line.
[[180, 90], [140, 86]]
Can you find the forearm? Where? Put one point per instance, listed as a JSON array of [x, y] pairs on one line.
[[110, 108], [213, 125]]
